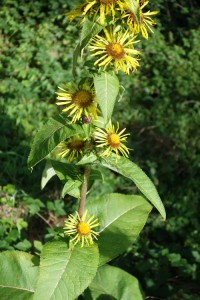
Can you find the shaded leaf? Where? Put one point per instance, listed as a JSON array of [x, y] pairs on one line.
[[121, 218], [122, 285], [89, 30], [64, 170], [65, 273], [18, 275], [49, 136]]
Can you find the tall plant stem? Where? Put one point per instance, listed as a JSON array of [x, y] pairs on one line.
[[84, 191]]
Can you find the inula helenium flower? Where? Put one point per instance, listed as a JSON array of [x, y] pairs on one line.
[[81, 228], [138, 20], [115, 49], [111, 139], [96, 9], [78, 100], [72, 148]]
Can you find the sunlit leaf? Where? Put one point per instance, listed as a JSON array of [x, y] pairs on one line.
[[65, 273], [107, 88], [18, 275], [121, 218]]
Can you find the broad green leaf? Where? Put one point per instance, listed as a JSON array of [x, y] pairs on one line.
[[87, 159], [130, 170], [49, 136], [18, 275], [47, 174], [122, 285], [65, 171], [107, 88], [121, 218], [65, 273], [72, 188]]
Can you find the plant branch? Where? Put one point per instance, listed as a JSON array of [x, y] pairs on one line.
[[46, 221], [84, 191]]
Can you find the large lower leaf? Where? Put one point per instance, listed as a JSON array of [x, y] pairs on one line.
[[65, 273], [18, 275], [107, 89], [121, 218], [114, 282], [130, 170], [49, 136]]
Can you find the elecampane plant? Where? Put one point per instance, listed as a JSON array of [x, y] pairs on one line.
[[82, 138]]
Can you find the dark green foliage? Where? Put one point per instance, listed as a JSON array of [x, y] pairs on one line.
[[160, 109]]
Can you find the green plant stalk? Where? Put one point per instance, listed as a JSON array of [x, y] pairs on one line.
[[84, 188]]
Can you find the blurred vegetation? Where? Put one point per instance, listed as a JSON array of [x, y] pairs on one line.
[[161, 110]]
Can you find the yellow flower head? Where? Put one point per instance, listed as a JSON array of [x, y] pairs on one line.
[[112, 139], [95, 8], [116, 49], [78, 100], [72, 148], [137, 20], [81, 228]]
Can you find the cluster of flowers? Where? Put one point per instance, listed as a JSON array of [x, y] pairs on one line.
[[122, 21], [80, 102]]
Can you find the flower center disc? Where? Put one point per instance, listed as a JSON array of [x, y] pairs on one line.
[[75, 145], [82, 98], [115, 50], [83, 228], [114, 140]]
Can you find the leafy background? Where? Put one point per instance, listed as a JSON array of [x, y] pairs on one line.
[[160, 109]]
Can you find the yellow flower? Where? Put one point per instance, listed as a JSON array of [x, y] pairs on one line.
[[136, 19], [78, 100], [81, 228], [95, 8], [112, 139], [115, 49], [72, 148]]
